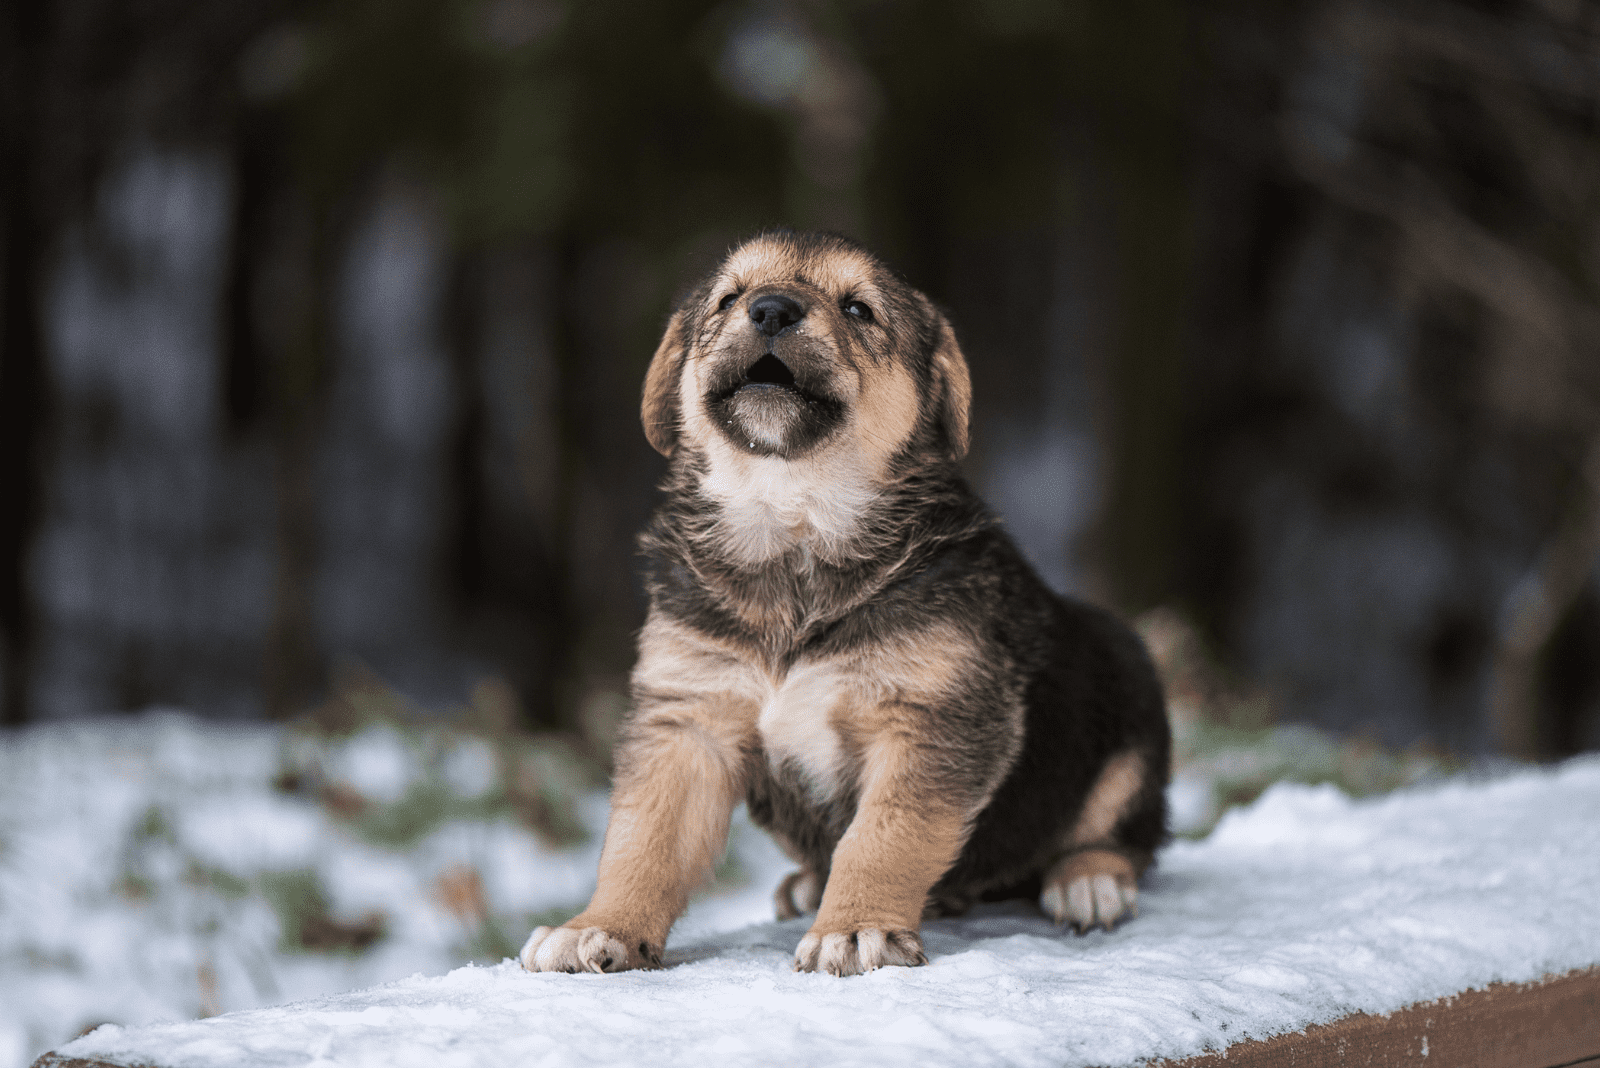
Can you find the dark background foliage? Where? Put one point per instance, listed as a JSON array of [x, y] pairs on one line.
[[324, 322]]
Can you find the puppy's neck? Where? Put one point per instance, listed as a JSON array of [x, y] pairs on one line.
[[768, 507], [784, 550]]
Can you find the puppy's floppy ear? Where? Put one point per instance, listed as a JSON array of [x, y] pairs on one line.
[[659, 410], [952, 387]]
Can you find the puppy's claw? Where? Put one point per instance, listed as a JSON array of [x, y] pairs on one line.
[[855, 952]]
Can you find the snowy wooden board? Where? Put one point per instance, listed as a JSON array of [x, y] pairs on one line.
[[1554, 1023], [1298, 914]]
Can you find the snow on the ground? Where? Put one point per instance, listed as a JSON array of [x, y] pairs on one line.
[[141, 861], [1299, 909], [144, 863]]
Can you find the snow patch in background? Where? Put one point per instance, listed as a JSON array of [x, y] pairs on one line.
[[1299, 909], [378, 763], [145, 863]]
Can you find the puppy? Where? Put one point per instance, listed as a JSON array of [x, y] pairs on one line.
[[843, 636]]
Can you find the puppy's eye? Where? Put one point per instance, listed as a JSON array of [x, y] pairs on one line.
[[727, 302], [859, 310]]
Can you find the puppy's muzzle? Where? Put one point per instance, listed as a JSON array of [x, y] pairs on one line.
[[772, 404]]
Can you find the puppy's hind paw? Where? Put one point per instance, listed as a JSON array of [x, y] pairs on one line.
[[585, 949], [854, 952], [1095, 888]]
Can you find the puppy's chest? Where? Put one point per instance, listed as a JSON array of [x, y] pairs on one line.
[[803, 723]]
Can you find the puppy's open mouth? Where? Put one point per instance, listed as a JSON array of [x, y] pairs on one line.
[[769, 374], [769, 371]]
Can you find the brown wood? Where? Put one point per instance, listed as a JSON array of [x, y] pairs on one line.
[[1550, 1024]]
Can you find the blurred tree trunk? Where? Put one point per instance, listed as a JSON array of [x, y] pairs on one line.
[[571, 626], [1535, 610], [275, 374], [1142, 57], [23, 381], [257, 176], [511, 476], [295, 668]]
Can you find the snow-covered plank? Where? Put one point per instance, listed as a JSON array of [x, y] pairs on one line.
[[1549, 1024], [1302, 910]]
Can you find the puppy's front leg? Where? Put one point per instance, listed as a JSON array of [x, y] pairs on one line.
[[679, 774], [901, 840]]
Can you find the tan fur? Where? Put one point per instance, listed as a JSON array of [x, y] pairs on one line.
[[907, 668], [1108, 800], [818, 714], [678, 779], [1093, 888], [887, 862], [885, 416], [678, 661], [761, 260], [818, 711], [956, 381], [905, 672], [843, 273], [774, 260], [656, 410], [903, 838], [846, 705]]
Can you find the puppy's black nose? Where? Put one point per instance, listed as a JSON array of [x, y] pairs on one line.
[[775, 312]]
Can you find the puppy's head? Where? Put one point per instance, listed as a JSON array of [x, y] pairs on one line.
[[800, 346]]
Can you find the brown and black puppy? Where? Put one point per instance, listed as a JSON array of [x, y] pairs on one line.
[[842, 635]]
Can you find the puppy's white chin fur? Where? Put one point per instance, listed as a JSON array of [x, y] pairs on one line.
[[766, 417]]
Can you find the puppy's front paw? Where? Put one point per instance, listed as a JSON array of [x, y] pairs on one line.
[[1095, 888], [586, 949], [852, 952]]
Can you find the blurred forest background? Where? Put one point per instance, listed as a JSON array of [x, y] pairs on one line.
[[323, 322]]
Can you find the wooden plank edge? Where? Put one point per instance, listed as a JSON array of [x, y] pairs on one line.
[[1551, 1023]]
